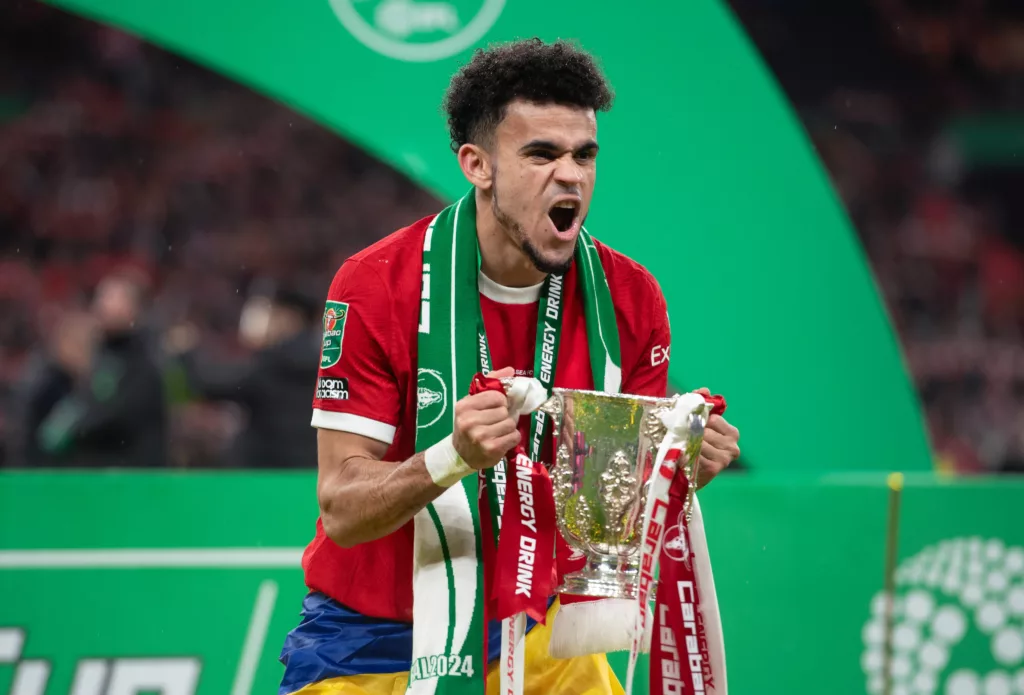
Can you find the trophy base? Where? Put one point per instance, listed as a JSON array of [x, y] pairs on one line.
[[603, 577]]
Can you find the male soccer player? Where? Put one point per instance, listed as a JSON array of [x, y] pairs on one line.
[[407, 323]]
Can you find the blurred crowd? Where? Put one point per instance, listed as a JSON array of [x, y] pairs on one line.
[[917, 111], [157, 219], [167, 236]]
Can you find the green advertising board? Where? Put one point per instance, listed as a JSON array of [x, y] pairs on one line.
[[124, 584], [706, 177], [149, 577]]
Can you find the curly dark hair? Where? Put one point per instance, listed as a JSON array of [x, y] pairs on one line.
[[542, 73]]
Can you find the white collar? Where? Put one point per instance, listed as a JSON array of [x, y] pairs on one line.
[[507, 295]]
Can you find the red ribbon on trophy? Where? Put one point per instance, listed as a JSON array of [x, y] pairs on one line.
[[680, 655], [682, 659], [526, 548], [524, 564], [519, 574]]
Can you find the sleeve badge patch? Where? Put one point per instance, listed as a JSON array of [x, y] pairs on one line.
[[335, 315]]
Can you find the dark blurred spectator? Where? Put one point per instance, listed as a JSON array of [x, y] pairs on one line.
[[51, 380], [917, 111], [274, 386], [114, 152], [101, 401]]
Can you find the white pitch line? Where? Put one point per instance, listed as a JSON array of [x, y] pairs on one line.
[[252, 649], [290, 558]]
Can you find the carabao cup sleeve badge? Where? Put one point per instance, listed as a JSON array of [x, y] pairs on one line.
[[335, 315]]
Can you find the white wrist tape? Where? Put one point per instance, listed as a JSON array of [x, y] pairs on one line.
[[444, 464]]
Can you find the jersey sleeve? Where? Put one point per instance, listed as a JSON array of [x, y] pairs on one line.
[[648, 376], [356, 388]]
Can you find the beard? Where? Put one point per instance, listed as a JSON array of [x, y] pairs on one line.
[[518, 235], [543, 265]]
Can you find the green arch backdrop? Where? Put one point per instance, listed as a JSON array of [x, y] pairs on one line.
[[706, 178]]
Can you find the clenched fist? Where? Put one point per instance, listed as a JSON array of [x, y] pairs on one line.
[[484, 430]]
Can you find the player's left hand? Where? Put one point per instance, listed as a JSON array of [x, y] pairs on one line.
[[719, 449]]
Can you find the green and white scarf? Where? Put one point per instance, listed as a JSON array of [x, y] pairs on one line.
[[448, 571]]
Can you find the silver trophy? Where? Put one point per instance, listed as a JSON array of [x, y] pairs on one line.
[[606, 446]]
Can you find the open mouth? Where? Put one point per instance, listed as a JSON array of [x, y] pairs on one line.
[[563, 215]]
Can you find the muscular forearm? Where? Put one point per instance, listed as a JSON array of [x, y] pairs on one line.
[[368, 499], [363, 498]]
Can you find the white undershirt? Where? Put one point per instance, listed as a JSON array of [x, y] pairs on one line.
[[508, 295]]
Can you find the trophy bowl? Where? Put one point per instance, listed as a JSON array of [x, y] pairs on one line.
[[606, 445]]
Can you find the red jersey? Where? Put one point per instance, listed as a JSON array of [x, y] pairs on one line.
[[370, 388]]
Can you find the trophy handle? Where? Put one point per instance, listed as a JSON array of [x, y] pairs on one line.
[[698, 423], [552, 407]]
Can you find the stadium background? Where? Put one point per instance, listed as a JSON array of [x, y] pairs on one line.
[[746, 140]]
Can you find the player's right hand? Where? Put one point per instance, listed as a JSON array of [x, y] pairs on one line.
[[484, 432]]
